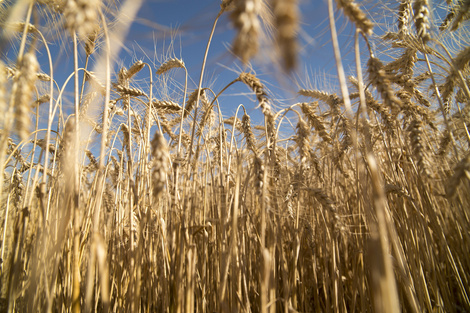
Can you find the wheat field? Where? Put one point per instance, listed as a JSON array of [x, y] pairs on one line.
[[116, 199]]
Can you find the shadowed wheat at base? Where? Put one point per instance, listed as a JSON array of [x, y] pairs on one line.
[[127, 190]]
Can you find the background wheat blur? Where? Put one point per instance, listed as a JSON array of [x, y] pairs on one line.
[[129, 201]]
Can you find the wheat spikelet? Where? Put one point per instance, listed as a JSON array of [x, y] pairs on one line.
[[405, 63], [277, 163], [302, 140], [259, 172], [166, 106], [444, 143], [122, 77], [462, 59], [81, 16], [461, 96], [421, 18], [166, 126], [316, 165], [42, 144], [415, 132], [90, 42], [191, 102], [10, 72], [135, 68], [19, 27], [332, 100], [288, 200], [446, 22], [159, 163], [231, 120], [356, 15], [207, 116], [420, 97], [42, 99], [380, 80], [458, 13], [248, 132], [94, 82], [218, 147], [87, 100], [459, 63], [255, 84], [227, 5], [407, 41], [376, 106], [412, 109], [43, 77], [286, 14], [315, 122], [170, 64], [93, 165], [404, 14], [134, 92], [245, 19], [344, 129], [136, 127], [126, 136], [462, 14], [26, 79]]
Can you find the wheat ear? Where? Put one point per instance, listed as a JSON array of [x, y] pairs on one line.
[[245, 20]]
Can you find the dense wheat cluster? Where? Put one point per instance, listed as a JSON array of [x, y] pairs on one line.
[[116, 197]]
